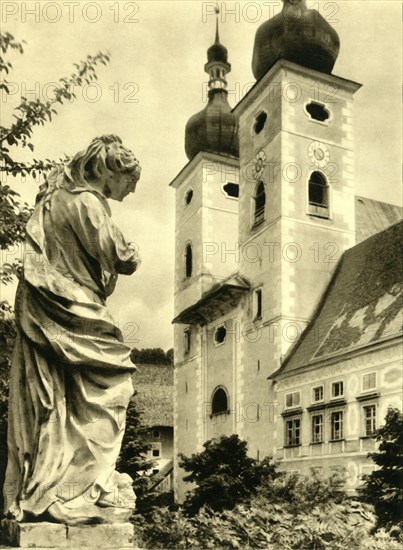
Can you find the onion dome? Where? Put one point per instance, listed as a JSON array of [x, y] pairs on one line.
[[297, 34], [215, 128], [217, 52]]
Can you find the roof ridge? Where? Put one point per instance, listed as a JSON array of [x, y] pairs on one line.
[[363, 197], [374, 237]]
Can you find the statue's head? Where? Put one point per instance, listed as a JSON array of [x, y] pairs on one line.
[[108, 166]]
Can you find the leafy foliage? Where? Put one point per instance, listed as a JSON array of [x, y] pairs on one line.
[[7, 337], [133, 454], [38, 112], [152, 356], [282, 512], [224, 474], [267, 525], [295, 491], [384, 486], [29, 114]]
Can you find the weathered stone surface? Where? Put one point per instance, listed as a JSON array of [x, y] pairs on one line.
[[56, 535], [72, 492], [115, 535], [34, 535]]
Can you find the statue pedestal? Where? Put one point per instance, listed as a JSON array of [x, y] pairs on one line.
[[57, 535]]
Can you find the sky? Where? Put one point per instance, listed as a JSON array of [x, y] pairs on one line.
[[155, 82]]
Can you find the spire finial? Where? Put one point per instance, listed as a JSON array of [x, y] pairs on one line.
[[217, 65], [217, 36]]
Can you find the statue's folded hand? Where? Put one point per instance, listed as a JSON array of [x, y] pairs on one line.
[[132, 263]]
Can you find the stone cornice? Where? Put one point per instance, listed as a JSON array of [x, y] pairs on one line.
[[256, 91], [195, 163], [335, 358]]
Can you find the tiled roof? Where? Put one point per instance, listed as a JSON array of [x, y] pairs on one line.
[[217, 301], [362, 304], [154, 397], [373, 216]]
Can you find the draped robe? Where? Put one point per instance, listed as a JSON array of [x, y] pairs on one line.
[[70, 380]]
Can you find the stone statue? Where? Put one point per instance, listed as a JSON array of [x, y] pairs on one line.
[[70, 380]]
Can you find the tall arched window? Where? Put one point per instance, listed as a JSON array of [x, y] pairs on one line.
[[260, 203], [318, 195], [219, 401], [188, 260]]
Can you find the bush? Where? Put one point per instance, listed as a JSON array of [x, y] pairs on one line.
[[296, 492], [267, 525], [384, 487], [275, 511], [148, 501], [224, 474], [133, 454]]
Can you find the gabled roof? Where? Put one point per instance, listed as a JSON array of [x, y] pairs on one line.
[[154, 397], [373, 216], [362, 304], [219, 300]]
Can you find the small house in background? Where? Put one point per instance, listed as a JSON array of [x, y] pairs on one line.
[[154, 399]]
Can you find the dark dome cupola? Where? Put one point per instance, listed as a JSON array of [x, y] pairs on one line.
[[297, 34], [217, 59], [215, 128]]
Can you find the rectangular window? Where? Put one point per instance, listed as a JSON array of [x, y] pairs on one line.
[[369, 381], [292, 399], [337, 425], [317, 428], [337, 389], [156, 434], [258, 303], [318, 394], [155, 451], [369, 419], [186, 340], [293, 432]]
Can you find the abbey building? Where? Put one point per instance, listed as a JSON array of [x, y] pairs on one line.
[[287, 284]]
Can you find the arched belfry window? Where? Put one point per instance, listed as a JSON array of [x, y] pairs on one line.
[[260, 203], [318, 195], [188, 260], [219, 401]]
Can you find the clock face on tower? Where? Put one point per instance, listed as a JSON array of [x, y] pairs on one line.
[[318, 154], [259, 165]]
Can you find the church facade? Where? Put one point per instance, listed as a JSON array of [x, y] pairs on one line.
[[273, 339]]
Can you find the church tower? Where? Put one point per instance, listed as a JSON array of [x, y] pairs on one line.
[[207, 196], [297, 197], [257, 239]]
